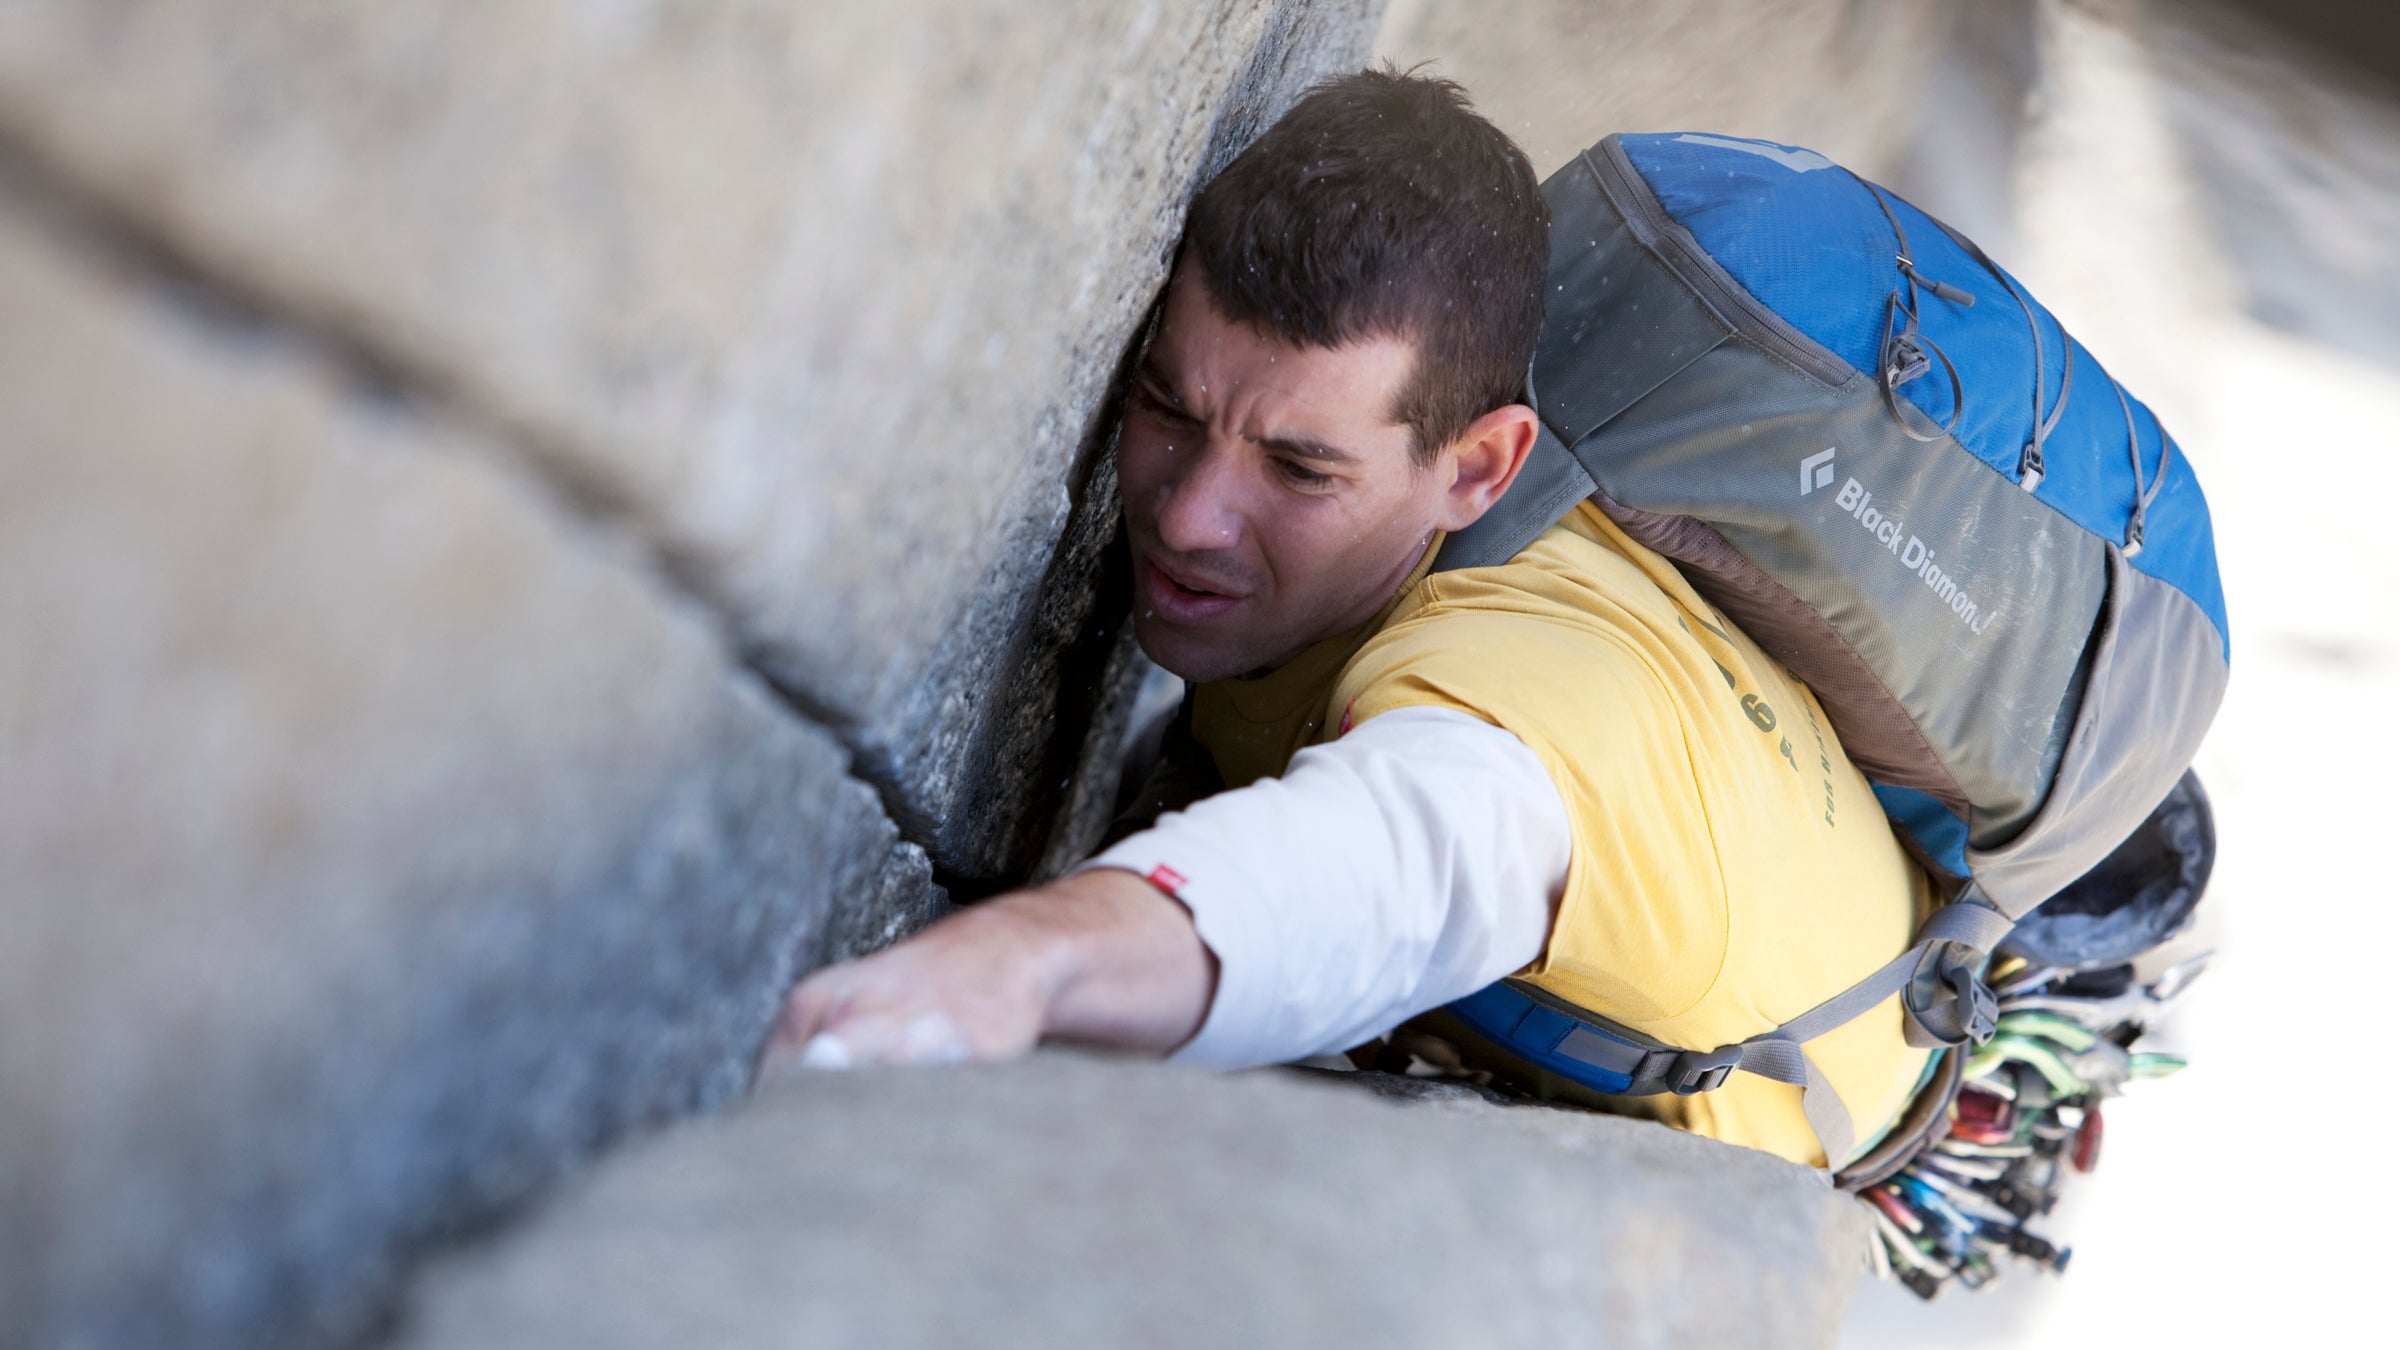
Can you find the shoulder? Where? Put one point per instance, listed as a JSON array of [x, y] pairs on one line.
[[1570, 618]]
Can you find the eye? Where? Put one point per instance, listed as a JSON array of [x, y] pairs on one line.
[[1152, 404], [1299, 474]]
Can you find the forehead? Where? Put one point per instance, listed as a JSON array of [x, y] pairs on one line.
[[1212, 361]]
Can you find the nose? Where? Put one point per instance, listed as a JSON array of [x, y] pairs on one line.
[[1198, 508]]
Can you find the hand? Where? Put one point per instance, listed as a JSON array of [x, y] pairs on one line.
[[970, 987], [1100, 957]]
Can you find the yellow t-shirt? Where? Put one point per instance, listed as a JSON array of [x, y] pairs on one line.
[[1731, 869]]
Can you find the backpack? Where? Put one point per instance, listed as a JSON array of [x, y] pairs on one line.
[[1871, 448]]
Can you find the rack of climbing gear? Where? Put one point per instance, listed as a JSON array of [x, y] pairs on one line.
[[2027, 1117]]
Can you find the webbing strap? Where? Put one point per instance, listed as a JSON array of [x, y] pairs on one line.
[[1964, 922], [1596, 1048], [1786, 1061], [1969, 923], [1622, 1062], [1775, 1055]]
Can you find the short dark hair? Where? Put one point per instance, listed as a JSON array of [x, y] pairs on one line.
[[1383, 205]]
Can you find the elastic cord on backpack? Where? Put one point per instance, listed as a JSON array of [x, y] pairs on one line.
[[2142, 496], [1908, 354], [1906, 349], [2029, 463]]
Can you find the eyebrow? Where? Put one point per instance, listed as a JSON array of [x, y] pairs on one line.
[[1308, 448]]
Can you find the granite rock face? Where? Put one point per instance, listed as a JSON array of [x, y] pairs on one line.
[[375, 839], [1079, 1202], [526, 526], [821, 301]]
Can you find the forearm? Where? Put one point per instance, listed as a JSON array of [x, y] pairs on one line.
[[1101, 958], [1119, 962]]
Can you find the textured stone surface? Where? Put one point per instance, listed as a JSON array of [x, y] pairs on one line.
[[1078, 1202], [374, 842], [822, 299], [1841, 76]]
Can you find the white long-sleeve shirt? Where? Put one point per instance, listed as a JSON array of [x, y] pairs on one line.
[[1411, 862]]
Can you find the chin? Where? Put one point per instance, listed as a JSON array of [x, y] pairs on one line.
[[1188, 657]]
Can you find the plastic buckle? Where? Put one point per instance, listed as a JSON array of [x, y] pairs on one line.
[[1702, 1070], [1978, 1007]]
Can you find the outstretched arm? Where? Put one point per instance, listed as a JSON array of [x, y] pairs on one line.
[[1407, 864], [1100, 957]]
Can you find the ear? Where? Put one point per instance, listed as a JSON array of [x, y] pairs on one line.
[[1484, 461]]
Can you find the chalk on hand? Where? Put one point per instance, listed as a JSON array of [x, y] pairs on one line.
[[931, 1038], [825, 1051]]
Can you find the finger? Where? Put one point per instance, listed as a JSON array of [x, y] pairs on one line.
[[918, 1037], [933, 1038], [798, 1022], [806, 1008]]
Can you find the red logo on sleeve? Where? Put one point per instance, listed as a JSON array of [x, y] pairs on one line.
[[1166, 879]]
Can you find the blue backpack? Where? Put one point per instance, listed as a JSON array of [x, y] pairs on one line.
[[1884, 460]]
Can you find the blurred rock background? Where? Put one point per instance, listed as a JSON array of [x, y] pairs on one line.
[[526, 525]]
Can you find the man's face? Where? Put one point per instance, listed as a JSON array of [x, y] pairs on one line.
[[1270, 499]]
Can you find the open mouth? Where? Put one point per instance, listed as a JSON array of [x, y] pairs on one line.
[[1179, 601]]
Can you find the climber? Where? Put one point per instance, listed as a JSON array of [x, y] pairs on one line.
[[1426, 782]]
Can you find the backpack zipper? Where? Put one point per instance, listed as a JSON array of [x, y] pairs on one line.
[[1674, 245]]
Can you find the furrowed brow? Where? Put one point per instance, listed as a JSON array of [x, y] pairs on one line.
[[1308, 448]]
